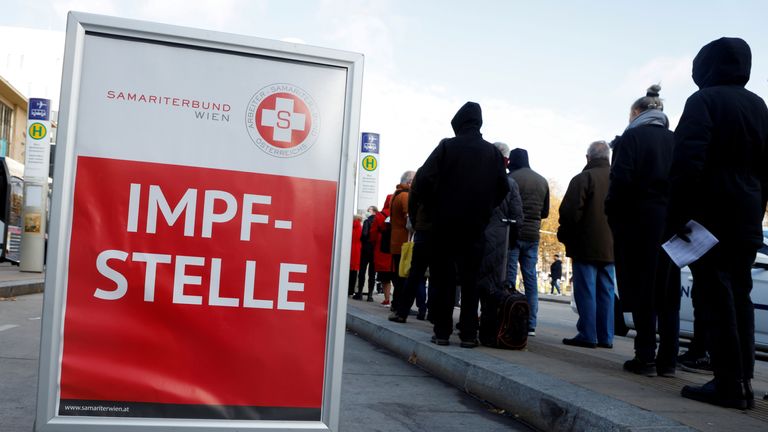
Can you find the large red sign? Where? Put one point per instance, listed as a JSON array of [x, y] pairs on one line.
[[191, 287]]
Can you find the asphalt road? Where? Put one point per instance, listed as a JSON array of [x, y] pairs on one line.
[[379, 391], [19, 345]]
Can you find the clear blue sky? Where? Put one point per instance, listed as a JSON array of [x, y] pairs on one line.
[[552, 76]]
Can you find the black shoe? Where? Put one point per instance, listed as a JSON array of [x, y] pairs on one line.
[[665, 371], [469, 343], [690, 355], [370, 299], [729, 394], [579, 343], [420, 317], [439, 341], [690, 362], [749, 394], [357, 296], [605, 345], [639, 367], [394, 317]]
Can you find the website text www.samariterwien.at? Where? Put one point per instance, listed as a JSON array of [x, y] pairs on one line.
[[96, 408]]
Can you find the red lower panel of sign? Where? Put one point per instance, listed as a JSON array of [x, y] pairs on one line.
[[196, 287]]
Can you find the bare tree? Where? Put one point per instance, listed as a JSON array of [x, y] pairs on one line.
[[548, 245]]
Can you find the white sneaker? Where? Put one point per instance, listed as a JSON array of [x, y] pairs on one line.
[[531, 332]]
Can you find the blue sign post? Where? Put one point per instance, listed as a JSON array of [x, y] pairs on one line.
[[37, 157], [368, 178]]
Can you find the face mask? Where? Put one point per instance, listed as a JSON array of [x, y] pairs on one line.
[[368, 214]]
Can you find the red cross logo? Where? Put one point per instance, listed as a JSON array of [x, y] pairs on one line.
[[283, 120]]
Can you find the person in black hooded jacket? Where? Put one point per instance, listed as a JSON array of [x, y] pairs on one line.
[[534, 191], [720, 179], [460, 183]]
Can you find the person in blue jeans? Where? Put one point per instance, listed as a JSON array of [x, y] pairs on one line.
[[526, 253], [593, 285], [534, 192], [587, 237]]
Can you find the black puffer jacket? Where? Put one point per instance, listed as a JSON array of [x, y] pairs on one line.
[[534, 192], [493, 271], [720, 163], [463, 180]]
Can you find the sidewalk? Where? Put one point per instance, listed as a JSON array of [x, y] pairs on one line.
[[560, 388], [549, 385], [14, 282]]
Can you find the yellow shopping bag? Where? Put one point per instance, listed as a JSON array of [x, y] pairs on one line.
[[405, 259]]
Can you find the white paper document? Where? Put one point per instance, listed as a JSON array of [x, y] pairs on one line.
[[683, 252]]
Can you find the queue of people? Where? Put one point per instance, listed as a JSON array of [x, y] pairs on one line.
[[474, 211], [712, 169]]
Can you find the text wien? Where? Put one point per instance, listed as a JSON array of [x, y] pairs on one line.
[[203, 115], [187, 206]]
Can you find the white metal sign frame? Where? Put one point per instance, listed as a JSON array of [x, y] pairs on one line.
[[79, 27]]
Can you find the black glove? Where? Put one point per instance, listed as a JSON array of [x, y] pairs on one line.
[[683, 232]]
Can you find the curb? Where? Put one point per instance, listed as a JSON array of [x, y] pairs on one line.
[[564, 300], [540, 400], [17, 288]]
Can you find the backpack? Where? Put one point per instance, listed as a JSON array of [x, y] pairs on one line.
[[386, 237], [504, 321]]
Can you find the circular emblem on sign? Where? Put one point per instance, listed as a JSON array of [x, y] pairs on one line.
[[370, 163], [282, 120], [37, 131]]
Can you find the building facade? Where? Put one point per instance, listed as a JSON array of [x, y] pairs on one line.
[[13, 121]]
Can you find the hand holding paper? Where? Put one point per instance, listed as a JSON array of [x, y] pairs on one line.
[[690, 244]]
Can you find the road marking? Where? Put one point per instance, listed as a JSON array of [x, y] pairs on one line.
[[7, 327], [34, 318]]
